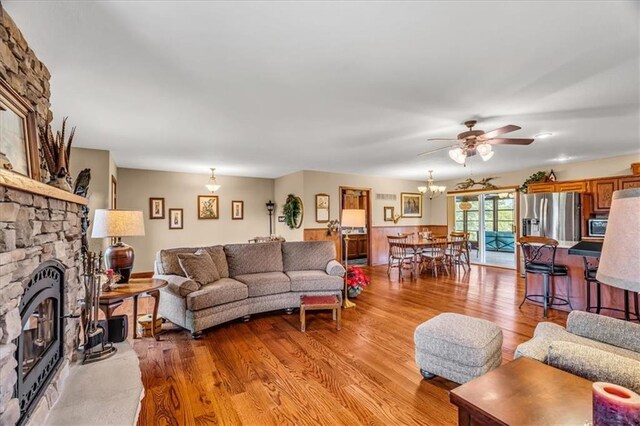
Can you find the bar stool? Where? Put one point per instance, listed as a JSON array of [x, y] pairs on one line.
[[540, 258], [590, 271]]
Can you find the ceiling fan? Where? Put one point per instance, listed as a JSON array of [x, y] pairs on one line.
[[472, 142]]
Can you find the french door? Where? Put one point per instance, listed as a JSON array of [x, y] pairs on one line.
[[490, 221]]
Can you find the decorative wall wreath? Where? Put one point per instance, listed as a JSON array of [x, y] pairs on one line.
[[293, 211]]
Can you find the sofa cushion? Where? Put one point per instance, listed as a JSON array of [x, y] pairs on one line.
[[314, 281], [264, 283], [180, 286], [246, 259], [594, 364], [307, 255], [199, 267], [223, 291], [623, 334], [167, 260], [220, 259]]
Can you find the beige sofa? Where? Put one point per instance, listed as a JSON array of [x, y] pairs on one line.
[[254, 278]]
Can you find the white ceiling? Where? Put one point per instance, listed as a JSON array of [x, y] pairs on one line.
[[268, 88]]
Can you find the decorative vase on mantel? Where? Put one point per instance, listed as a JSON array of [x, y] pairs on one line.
[[56, 152]]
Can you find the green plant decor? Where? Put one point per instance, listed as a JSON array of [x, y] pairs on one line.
[[539, 176], [292, 211]]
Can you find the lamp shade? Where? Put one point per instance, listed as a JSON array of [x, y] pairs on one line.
[[619, 265], [353, 218], [117, 223]]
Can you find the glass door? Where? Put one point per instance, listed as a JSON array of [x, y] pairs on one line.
[[489, 219]]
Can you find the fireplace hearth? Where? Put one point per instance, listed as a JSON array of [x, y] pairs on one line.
[[40, 345]]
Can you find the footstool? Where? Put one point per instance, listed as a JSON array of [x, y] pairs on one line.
[[457, 347]]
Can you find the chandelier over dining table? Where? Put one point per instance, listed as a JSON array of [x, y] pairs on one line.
[[430, 188]]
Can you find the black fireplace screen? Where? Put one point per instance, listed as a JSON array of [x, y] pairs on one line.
[[41, 344]]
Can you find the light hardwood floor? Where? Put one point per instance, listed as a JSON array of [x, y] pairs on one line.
[[267, 372]]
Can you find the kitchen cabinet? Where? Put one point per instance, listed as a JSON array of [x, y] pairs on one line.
[[572, 186], [629, 182], [602, 190], [536, 188]]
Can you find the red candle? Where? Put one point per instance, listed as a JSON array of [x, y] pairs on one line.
[[614, 405]]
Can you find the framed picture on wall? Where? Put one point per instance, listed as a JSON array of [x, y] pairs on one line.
[[156, 208], [388, 213], [322, 208], [208, 207], [237, 210], [176, 218], [411, 204], [18, 140]]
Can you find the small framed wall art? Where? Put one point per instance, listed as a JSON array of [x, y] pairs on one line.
[[208, 207], [388, 213], [18, 140], [237, 210], [322, 208], [411, 204], [176, 219], [156, 208]]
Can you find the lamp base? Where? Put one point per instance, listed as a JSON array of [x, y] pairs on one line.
[[119, 257], [346, 304]]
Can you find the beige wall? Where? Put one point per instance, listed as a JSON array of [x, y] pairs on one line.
[[180, 190], [283, 186], [100, 163], [330, 183], [614, 166]]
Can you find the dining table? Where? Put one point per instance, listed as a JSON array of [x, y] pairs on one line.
[[420, 243]]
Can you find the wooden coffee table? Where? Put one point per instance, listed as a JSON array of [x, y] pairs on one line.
[[524, 392], [110, 300], [315, 303]]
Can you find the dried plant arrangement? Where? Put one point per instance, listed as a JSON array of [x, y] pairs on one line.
[[56, 154]]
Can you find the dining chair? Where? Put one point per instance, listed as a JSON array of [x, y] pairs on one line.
[[458, 250], [435, 256], [400, 256]]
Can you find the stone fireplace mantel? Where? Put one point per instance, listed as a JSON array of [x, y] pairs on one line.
[[38, 223]]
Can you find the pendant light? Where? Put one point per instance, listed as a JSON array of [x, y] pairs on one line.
[[212, 185]]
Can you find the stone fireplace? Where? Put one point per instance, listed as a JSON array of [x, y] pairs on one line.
[[40, 295]]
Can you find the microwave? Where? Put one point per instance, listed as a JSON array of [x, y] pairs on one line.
[[597, 227]]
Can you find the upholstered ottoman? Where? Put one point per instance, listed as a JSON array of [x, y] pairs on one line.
[[457, 347]]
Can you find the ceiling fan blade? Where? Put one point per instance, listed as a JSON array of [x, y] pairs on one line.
[[500, 131], [437, 139], [433, 151], [510, 141]]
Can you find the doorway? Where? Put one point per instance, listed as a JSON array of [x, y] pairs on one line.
[[490, 219], [359, 238]]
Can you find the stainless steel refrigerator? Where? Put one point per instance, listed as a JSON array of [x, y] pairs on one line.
[[554, 215]]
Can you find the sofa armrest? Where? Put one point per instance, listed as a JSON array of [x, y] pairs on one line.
[[180, 286], [595, 364], [623, 334], [335, 268]]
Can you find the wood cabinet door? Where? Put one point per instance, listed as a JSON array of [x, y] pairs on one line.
[[602, 193], [363, 245], [577, 186], [630, 182], [536, 188]]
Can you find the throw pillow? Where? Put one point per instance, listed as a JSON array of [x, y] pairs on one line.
[[199, 267]]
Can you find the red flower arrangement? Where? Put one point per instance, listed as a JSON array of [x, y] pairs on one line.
[[356, 277]]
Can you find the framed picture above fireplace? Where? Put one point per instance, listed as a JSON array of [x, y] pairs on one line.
[[18, 137]]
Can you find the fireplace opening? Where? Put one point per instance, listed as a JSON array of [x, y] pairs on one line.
[[41, 344]]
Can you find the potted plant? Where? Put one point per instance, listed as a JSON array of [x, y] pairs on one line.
[[357, 280]]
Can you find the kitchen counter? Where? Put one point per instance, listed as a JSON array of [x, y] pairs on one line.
[[564, 244]]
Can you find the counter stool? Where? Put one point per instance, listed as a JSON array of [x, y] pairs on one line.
[[540, 258], [590, 271]]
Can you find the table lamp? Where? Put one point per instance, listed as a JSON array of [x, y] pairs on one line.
[[118, 224], [351, 218], [619, 266]]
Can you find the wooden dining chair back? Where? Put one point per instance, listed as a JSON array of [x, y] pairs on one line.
[[458, 251], [435, 256], [399, 255]]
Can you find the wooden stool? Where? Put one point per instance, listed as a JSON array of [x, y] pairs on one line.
[[315, 303]]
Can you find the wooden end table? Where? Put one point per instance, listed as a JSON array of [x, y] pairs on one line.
[[110, 300], [524, 392], [315, 303]]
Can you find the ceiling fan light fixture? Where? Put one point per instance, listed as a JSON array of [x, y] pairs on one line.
[[457, 155], [484, 149], [487, 156]]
